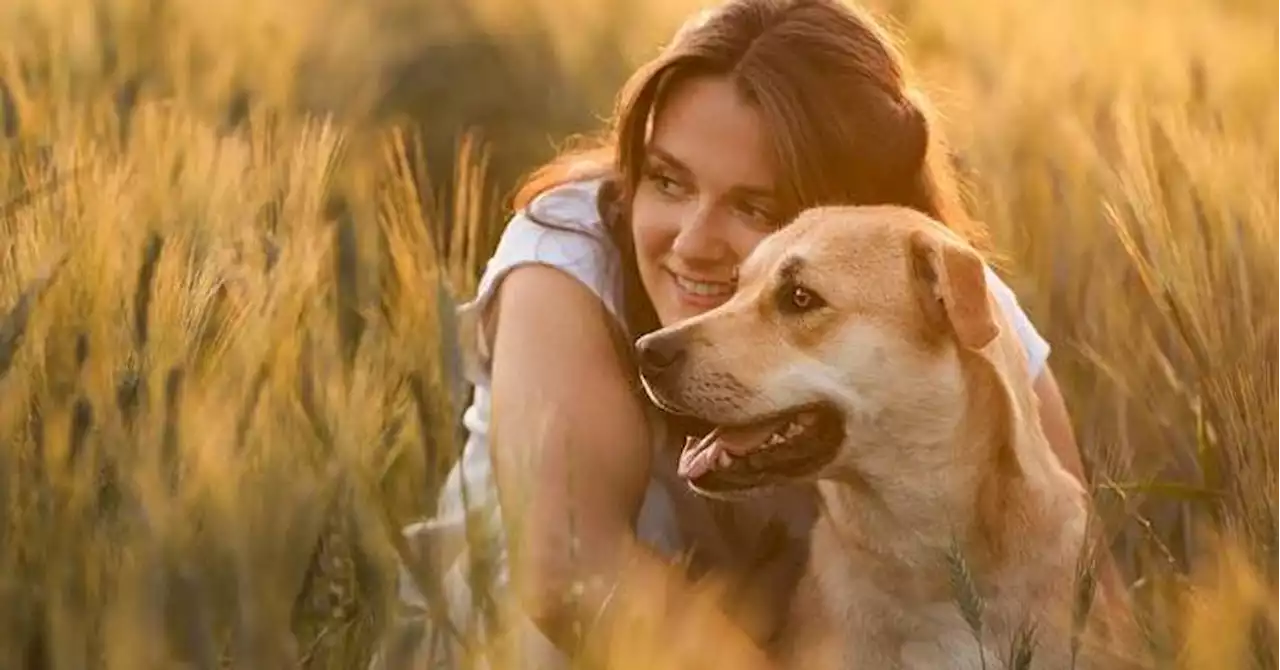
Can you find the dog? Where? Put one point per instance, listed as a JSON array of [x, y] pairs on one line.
[[863, 354]]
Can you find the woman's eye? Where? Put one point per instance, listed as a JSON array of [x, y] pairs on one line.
[[758, 216], [664, 183]]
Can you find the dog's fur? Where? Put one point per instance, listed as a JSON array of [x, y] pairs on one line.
[[943, 462]]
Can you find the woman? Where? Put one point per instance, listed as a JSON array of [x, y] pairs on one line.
[[757, 109]]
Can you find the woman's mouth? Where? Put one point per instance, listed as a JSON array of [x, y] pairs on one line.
[[701, 292]]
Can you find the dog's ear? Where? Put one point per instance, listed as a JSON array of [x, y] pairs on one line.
[[951, 284]]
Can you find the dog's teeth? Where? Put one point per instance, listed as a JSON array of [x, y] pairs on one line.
[[775, 440], [794, 429], [724, 460]]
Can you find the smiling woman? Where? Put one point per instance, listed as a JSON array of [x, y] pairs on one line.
[[757, 110], [705, 199]]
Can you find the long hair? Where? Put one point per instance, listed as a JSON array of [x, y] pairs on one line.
[[848, 128]]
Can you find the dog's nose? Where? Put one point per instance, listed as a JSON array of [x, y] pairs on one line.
[[659, 354]]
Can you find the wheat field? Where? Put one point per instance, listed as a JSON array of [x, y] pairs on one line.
[[232, 234]]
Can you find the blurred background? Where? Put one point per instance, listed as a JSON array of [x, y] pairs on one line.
[[232, 232]]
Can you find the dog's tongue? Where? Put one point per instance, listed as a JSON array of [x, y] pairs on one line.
[[721, 444]]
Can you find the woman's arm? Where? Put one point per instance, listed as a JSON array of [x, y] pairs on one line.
[[1056, 423], [570, 445], [570, 439]]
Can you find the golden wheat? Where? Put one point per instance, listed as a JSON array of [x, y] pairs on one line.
[[226, 377]]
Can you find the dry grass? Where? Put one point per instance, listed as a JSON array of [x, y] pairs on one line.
[[224, 370]]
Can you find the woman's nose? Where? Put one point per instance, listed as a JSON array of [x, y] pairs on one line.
[[699, 238]]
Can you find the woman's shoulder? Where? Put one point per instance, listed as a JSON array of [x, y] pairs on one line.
[[573, 204], [560, 226], [1033, 343], [561, 229]]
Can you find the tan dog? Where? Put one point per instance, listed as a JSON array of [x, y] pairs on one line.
[[863, 351]]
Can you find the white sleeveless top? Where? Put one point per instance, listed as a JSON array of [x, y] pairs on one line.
[[586, 252]]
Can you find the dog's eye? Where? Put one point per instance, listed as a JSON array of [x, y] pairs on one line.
[[796, 299]]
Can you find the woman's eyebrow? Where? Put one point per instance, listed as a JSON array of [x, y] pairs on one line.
[[663, 155], [762, 192]]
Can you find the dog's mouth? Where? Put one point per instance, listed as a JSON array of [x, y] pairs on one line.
[[742, 457]]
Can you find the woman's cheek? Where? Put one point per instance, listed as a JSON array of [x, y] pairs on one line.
[[650, 223]]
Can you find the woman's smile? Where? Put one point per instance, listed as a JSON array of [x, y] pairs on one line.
[[699, 293]]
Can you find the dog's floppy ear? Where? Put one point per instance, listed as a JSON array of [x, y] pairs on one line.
[[951, 283]]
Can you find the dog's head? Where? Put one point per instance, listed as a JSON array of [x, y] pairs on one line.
[[843, 341]]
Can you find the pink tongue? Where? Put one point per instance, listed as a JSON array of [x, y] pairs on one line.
[[698, 458]]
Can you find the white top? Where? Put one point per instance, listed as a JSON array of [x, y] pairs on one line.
[[586, 252]]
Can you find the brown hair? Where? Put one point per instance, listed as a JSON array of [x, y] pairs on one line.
[[847, 127]]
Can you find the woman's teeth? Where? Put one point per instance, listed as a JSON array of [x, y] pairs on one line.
[[708, 289]]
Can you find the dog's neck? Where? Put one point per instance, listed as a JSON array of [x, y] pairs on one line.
[[909, 518]]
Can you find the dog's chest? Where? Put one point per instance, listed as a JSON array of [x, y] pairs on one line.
[[938, 637], [882, 619], [879, 632]]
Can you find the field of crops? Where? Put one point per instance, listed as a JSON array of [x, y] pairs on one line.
[[231, 234]]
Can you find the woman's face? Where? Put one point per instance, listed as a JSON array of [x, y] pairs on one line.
[[705, 197]]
